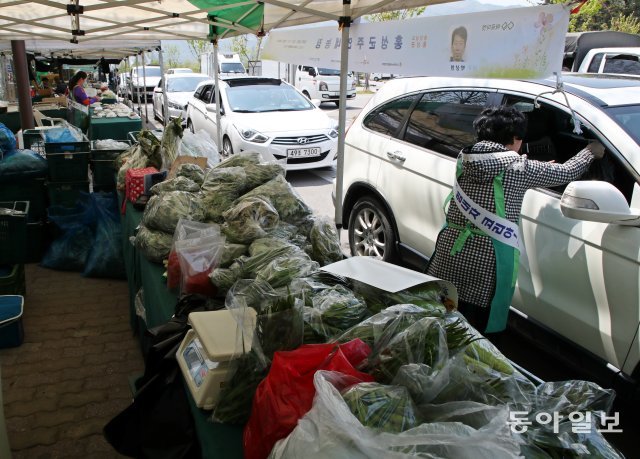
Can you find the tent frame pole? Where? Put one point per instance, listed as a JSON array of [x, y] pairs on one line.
[[137, 86], [144, 92], [216, 79], [345, 24], [23, 83], [163, 85]]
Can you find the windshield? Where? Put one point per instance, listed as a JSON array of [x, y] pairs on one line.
[[180, 71], [328, 72], [266, 98], [629, 118], [148, 72], [184, 84], [231, 67]]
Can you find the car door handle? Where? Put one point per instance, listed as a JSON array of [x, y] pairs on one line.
[[396, 156]]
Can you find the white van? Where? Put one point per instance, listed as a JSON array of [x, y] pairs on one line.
[[323, 84], [228, 65]]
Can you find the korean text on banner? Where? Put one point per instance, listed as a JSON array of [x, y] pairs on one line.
[[509, 43]]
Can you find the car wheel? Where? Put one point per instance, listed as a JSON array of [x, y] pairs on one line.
[[306, 94], [375, 78], [227, 148], [370, 231], [190, 126]]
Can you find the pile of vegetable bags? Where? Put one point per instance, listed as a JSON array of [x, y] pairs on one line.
[[440, 389]]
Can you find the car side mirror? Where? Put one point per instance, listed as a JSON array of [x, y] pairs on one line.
[[597, 201], [211, 108], [312, 72]]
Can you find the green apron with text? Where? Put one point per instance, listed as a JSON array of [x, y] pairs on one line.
[[507, 258]]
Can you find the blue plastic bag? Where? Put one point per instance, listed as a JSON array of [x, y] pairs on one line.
[[105, 257], [22, 164], [7, 140], [69, 250]]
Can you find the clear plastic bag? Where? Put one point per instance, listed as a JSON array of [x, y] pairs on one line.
[[164, 211], [221, 187], [154, 245], [199, 144], [7, 140], [249, 219], [175, 184], [282, 270], [198, 257], [290, 206], [325, 243], [110, 144], [191, 171], [330, 429], [63, 132]]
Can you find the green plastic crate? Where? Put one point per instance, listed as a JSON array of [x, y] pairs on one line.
[[104, 175], [68, 167], [12, 280], [13, 231], [66, 193], [32, 190]]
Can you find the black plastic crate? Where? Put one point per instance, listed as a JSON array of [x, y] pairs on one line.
[[32, 140], [103, 172], [32, 190], [66, 193], [81, 146], [37, 241], [11, 328], [107, 154], [13, 231], [12, 280], [68, 167]]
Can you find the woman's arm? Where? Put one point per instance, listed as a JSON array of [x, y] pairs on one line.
[[81, 97], [540, 173]]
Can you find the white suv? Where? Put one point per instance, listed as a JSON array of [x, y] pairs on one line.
[[582, 279]]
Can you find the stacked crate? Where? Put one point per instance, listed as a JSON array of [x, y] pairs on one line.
[[68, 164], [13, 246], [103, 166]]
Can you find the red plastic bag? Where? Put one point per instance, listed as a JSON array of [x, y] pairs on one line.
[[286, 394]]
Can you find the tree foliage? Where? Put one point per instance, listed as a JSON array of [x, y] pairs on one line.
[[171, 56], [395, 15], [198, 47], [620, 15], [240, 45]]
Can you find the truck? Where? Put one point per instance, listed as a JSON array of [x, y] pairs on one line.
[[602, 52], [323, 84], [143, 81], [228, 65]]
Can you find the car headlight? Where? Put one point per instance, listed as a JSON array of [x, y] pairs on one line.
[[175, 105], [323, 86], [333, 133], [251, 135]]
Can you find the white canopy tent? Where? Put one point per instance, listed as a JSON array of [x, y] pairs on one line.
[[103, 20]]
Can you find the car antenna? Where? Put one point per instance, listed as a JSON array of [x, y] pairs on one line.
[[560, 88]]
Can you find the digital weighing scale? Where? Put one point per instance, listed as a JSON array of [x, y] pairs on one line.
[[207, 350]]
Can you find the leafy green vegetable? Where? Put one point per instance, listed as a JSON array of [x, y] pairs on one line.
[[154, 245], [191, 171], [249, 219], [171, 138], [282, 270], [283, 197], [164, 210], [230, 252], [257, 174], [175, 184], [325, 243], [221, 187]]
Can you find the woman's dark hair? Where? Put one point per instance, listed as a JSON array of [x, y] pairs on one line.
[[78, 76], [461, 32], [500, 124]]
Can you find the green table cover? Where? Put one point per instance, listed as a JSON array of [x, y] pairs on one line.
[[217, 441], [113, 128]]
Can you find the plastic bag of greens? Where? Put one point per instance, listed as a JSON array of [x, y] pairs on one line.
[[282, 270], [198, 257], [278, 326], [175, 184], [330, 429], [287, 393], [171, 140], [191, 171], [141, 311], [430, 295], [221, 187], [199, 144], [74, 226], [325, 243], [264, 244], [105, 257], [241, 159], [154, 245], [163, 211], [186, 230], [249, 219], [291, 208], [146, 153], [381, 407], [257, 174]]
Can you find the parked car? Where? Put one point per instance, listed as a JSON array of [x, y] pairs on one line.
[[578, 45], [381, 76], [144, 81], [323, 84], [265, 115], [180, 88], [123, 84], [179, 70], [624, 61], [582, 279]]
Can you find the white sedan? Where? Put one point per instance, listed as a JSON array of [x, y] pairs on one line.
[[180, 88], [266, 115]]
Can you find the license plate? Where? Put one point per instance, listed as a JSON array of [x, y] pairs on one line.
[[303, 152]]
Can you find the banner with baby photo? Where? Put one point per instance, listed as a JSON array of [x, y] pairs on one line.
[[506, 43]]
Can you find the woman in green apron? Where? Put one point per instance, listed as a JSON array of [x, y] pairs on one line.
[[479, 247]]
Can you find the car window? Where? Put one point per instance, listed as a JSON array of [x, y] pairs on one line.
[[387, 119], [594, 66], [550, 137], [204, 93], [628, 65], [266, 98], [184, 84], [443, 121]]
